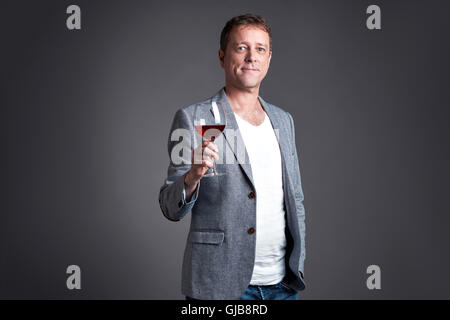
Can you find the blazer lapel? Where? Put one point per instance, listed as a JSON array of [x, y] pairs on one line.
[[234, 137], [277, 126]]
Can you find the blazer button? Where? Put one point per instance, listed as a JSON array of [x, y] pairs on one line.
[[251, 195], [251, 231]]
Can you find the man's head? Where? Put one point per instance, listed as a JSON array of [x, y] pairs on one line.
[[245, 51]]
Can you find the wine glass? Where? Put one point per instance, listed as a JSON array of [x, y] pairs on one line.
[[209, 122]]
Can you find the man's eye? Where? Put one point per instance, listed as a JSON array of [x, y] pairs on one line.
[[241, 48], [261, 49]]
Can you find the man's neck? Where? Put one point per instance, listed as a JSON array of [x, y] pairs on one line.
[[242, 100]]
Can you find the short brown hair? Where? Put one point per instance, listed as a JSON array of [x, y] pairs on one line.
[[243, 20]]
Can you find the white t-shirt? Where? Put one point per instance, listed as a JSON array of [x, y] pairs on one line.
[[265, 159]]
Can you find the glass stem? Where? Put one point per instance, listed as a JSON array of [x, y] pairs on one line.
[[214, 167]]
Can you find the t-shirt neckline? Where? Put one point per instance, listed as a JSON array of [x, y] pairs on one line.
[[248, 123]]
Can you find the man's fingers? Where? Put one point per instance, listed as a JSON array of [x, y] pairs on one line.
[[204, 154], [207, 163], [207, 155], [210, 145], [210, 153]]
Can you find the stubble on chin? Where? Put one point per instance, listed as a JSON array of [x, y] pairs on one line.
[[250, 84]]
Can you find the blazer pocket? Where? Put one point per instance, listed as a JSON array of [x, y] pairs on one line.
[[206, 237]]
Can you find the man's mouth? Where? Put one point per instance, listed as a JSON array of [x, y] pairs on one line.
[[249, 69]]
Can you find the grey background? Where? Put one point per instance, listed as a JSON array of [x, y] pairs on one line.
[[85, 117]]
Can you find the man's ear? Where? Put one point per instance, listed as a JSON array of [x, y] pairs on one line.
[[221, 57]]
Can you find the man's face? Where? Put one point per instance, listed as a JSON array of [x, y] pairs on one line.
[[247, 57]]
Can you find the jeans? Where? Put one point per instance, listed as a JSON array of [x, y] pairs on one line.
[[272, 292]]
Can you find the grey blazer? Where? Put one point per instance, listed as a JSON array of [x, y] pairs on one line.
[[220, 250]]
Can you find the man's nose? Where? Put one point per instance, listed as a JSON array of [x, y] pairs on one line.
[[251, 56]]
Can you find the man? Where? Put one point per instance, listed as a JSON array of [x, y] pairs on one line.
[[247, 233]]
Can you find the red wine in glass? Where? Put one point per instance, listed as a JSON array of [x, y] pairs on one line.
[[210, 131], [209, 122]]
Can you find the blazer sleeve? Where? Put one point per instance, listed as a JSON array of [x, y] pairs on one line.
[[172, 195], [299, 199]]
